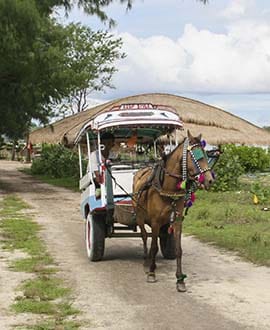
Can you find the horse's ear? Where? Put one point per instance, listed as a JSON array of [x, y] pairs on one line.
[[189, 135]]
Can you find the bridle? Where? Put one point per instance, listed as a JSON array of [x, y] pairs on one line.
[[196, 152], [188, 183]]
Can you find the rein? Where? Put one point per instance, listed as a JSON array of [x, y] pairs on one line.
[[196, 155], [123, 189], [187, 184]]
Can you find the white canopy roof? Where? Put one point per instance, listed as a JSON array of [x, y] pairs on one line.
[[134, 115]]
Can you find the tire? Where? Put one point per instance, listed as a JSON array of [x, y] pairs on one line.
[[167, 243], [94, 237]]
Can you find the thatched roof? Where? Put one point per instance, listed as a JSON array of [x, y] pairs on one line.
[[216, 125]]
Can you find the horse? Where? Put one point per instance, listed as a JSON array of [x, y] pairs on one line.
[[161, 194]]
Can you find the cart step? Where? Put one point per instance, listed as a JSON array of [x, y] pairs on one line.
[[131, 234], [133, 228]]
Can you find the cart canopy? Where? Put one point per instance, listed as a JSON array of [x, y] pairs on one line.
[[149, 121]]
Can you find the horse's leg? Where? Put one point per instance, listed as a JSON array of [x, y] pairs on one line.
[[141, 223], [144, 238], [151, 276], [180, 284]]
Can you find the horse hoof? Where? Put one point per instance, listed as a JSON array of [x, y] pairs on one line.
[[181, 287], [151, 278]]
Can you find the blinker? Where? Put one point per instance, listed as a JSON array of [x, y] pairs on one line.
[[198, 154]]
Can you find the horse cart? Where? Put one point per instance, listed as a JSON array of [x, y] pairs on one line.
[[134, 180], [137, 130]]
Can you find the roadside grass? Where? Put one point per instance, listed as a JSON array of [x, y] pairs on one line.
[[35, 264], [45, 293], [44, 287], [231, 220], [52, 325], [227, 219], [67, 182]]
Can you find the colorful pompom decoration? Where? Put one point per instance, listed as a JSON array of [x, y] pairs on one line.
[[170, 229], [181, 185], [189, 203], [203, 143], [201, 178]]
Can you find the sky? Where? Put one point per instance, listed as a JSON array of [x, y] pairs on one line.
[[218, 53]]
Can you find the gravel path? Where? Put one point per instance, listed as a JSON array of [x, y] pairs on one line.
[[223, 291]]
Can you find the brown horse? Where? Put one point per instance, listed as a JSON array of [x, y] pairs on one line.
[[162, 193]]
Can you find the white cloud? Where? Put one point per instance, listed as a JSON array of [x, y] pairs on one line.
[[156, 58], [237, 8], [200, 60]]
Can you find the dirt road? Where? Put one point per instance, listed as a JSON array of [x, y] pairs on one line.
[[223, 291]]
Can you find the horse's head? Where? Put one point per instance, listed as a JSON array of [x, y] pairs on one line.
[[197, 161]]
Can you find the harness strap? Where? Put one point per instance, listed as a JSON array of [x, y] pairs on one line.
[[184, 160], [175, 195], [197, 163], [153, 179], [173, 175]]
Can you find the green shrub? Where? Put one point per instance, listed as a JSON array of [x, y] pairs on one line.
[[252, 159], [228, 170], [236, 160], [56, 161]]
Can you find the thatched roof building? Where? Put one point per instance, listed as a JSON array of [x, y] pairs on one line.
[[216, 125]]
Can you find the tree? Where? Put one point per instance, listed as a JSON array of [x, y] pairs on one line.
[[31, 68], [36, 63], [89, 63]]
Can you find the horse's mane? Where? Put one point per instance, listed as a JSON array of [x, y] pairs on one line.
[[166, 157]]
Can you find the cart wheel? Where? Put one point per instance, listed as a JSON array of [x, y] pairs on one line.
[[167, 243], [94, 237]]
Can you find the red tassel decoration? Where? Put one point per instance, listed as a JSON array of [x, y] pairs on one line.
[[201, 178], [170, 229]]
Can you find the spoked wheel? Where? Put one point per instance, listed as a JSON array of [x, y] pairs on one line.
[[167, 243], [94, 237]]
